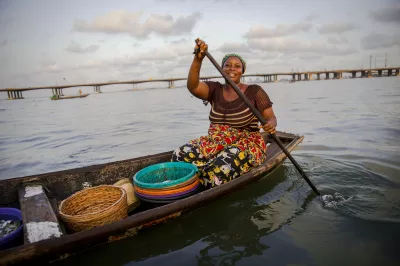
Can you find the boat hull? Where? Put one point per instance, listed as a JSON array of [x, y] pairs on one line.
[[69, 97], [62, 247]]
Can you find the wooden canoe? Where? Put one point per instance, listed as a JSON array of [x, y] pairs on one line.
[[60, 185], [69, 97]]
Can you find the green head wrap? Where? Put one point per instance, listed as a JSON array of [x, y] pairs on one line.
[[237, 56]]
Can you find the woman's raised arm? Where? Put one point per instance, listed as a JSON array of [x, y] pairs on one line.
[[195, 86]]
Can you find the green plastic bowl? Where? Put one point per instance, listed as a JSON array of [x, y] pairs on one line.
[[164, 175]]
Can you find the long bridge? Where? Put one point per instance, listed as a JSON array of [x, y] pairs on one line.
[[16, 93]]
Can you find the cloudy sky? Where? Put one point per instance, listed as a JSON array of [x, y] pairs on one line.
[[44, 41]]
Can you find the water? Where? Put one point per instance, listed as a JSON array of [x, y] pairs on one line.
[[350, 152]]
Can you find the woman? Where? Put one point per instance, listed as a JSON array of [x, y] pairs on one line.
[[234, 143]]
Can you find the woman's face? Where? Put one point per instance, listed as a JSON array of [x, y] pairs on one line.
[[234, 68]]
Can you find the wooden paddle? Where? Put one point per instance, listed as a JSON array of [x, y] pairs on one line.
[[261, 119]]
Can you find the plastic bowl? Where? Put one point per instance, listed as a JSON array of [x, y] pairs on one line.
[[14, 238], [164, 175]]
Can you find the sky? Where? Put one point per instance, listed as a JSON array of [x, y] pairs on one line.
[[48, 42]]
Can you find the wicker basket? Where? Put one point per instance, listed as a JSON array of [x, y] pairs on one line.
[[94, 207]]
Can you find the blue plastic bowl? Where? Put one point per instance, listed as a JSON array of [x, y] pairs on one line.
[[15, 238], [164, 175]]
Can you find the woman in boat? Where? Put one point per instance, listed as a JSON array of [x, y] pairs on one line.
[[234, 143]]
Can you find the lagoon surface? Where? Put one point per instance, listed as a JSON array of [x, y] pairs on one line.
[[351, 150]]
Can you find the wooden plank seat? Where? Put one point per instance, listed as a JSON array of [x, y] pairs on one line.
[[38, 216]]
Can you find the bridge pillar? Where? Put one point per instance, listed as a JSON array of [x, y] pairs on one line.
[[275, 78], [305, 76], [327, 75], [310, 76], [14, 95], [318, 76], [363, 74], [389, 72], [379, 73], [353, 74], [294, 77], [397, 72], [171, 84], [369, 74], [57, 92], [298, 76], [339, 75]]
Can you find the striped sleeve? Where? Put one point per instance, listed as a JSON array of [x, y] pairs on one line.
[[212, 86], [262, 100]]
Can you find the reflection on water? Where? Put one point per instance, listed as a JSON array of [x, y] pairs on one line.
[[350, 152]]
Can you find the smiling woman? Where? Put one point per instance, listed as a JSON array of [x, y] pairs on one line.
[[234, 144]]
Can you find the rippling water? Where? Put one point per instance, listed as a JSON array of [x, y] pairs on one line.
[[350, 152]]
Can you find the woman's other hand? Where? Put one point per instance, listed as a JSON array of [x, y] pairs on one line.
[[269, 127]]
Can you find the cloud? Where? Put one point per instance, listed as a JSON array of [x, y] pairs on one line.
[[182, 40], [337, 40], [232, 47], [157, 55], [311, 17], [379, 40], [339, 27], [118, 21], [92, 63], [48, 66], [3, 43], [280, 30], [292, 46], [126, 22], [387, 14], [74, 47]]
